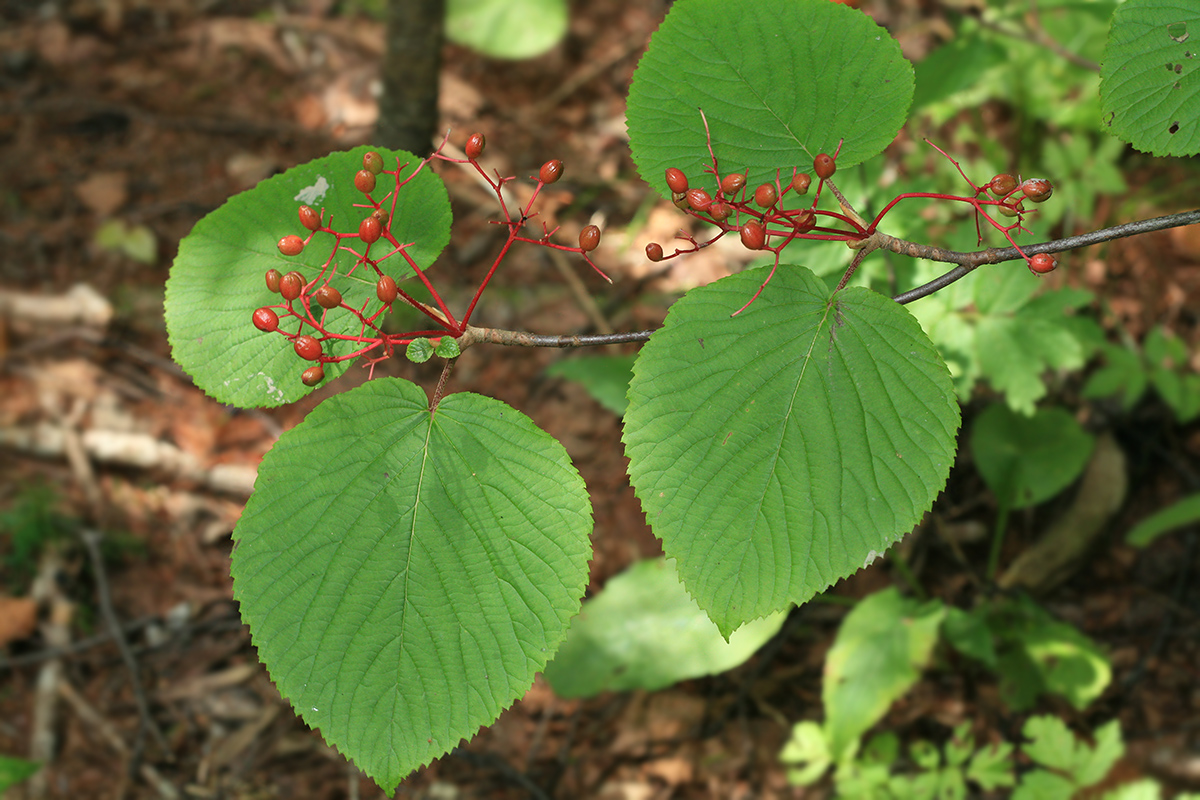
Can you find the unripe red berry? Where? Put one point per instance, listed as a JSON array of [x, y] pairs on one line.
[[1002, 184], [313, 375], [266, 320], [1038, 190], [309, 218], [824, 166], [372, 163], [386, 289], [754, 235], [1009, 210], [474, 146], [551, 171], [766, 195], [733, 183], [1042, 263], [291, 245], [273, 276], [698, 199], [589, 238], [369, 230], [328, 297], [720, 211], [364, 181], [800, 182], [382, 216], [676, 180], [307, 348], [291, 285], [654, 251]]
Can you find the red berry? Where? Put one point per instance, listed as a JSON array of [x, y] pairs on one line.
[[372, 163], [698, 199], [733, 183], [1002, 184], [589, 238], [386, 289], [266, 320], [676, 180], [291, 285], [766, 196], [307, 348], [369, 230], [474, 146], [313, 375], [328, 297], [551, 171], [273, 276], [1009, 210], [800, 183], [654, 251], [754, 235], [291, 245], [720, 211], [1042, 263], [824, 166], [804, 221], [309, 218], [1038, 190], [364, 181]]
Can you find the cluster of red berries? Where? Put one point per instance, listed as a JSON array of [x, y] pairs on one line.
[[733, 199], [309, 302], [1010, 195]]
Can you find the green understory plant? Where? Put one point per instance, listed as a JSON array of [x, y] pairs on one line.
[[408, 562]]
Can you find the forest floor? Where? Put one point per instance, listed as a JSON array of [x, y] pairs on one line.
[[149, 115]]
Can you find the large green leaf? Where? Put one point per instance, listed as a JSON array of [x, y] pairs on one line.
[[879, 653], [1150, 79], [642, 631], [216, 281], [1027, 460], [778, 451], [779, 81], [405, 574], [507, 28]]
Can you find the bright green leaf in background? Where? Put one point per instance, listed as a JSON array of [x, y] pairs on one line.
[[216, 281], [405, 574], [133, 241], [15, 770], [506, 28], [1052, 745], [606, 378], [1027, 460], [642, 631], [777, 85], [1150, 78], [1177, 515], [880, 651], [780, 450]]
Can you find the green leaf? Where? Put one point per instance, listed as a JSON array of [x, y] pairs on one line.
[[991, 766], [954, 67], [1055, 747], [778, 451], [405, 574], [1042, 785], [878, 655], [419, 350], [216, 282], [1150, 78], [1027, 460], [506, 28], [447, 347], [779, 82], [606, 378], [642, 631], [1144, 789], [1122, 375], [135, 241], [1176, 515], [15, 770], [1037, 653], [806, 754], [967, 632]]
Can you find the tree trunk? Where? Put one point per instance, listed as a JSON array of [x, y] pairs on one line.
[[408, 109]]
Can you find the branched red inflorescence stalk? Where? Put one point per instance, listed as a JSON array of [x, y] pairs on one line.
[[781, 227], [374, 344]]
